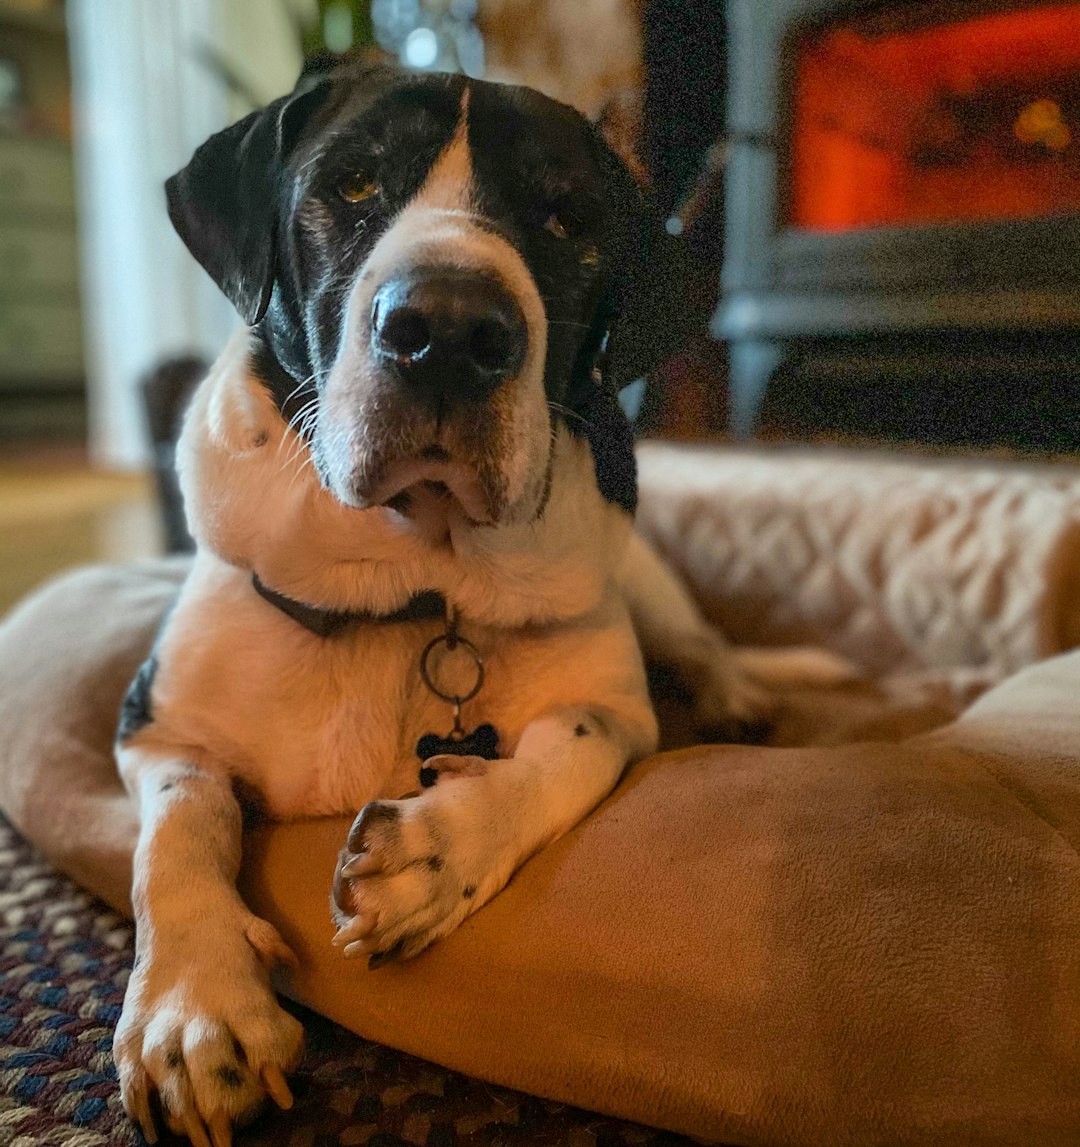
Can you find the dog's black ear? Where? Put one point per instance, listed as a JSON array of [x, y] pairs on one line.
[[224, 203], [651, 311]]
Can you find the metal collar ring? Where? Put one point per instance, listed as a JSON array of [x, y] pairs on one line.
[[452, 642]]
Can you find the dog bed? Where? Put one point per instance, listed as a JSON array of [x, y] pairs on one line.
[[870, 943]]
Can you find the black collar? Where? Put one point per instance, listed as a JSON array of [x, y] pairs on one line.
[[329, 622]]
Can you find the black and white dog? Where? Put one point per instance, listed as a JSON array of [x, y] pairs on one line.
[[412, 491]]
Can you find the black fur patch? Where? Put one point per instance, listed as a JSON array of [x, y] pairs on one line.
[[372, 814], [369, 121], [605, 427], [136, 710], [229, 1076]]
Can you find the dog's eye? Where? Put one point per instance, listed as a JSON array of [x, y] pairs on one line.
[[568, 217], [358, 189], [557, 226]]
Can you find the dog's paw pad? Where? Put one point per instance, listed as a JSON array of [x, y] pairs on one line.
[[267, 941]]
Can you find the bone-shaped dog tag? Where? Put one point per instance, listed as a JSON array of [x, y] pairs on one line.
[[483, 742]]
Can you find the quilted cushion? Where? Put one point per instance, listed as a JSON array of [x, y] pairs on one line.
[[964, 570]]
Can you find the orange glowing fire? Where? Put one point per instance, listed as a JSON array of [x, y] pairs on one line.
[[977, 118]]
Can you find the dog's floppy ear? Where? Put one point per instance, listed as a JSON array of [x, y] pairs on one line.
[[224, 203]]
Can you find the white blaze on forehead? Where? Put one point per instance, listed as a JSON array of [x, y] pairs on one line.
[[448, 186], [439, 226]]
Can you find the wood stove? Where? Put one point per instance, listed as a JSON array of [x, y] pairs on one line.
[[902, 235]]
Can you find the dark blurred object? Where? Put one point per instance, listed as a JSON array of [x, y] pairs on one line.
[[167, 390], [685, 50], [685, 92], [686, 398]]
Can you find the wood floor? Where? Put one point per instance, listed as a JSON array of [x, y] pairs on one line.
[[56, 512]]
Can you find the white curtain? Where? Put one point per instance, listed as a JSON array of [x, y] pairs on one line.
[[144, 100]]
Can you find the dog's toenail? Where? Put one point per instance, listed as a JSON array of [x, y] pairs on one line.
[[368, 817]]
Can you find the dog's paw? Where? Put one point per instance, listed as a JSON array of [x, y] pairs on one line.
[[414, 869], [728, 704], [738, 693], [203, 1030]]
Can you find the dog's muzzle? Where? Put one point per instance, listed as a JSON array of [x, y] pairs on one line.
[[448, 334]]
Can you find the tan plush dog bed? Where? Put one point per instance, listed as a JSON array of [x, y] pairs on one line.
[[875, 943]]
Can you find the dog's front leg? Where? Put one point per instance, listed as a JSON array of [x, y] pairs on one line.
[[672, 631], [200, 1024], [415, 868]]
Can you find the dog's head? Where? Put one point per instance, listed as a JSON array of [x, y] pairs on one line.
[[434, 268]]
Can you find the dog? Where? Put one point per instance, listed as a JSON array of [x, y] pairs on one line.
[[417, 591]]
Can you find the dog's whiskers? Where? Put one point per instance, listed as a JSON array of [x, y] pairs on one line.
[[558, 408], [303, 412], [302, 453], [299, 387], [290, 424], [301, 424]]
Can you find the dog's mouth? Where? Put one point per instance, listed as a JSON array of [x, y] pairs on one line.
[[432, 483]]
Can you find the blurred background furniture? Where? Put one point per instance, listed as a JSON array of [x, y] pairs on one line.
[[881, 199], [42, 380]]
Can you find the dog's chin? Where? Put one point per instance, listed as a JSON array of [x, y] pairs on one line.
[[430, 496]]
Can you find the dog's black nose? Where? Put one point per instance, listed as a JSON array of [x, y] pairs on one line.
[[449, 332]]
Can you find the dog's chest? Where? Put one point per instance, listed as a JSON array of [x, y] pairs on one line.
[[314, 725]]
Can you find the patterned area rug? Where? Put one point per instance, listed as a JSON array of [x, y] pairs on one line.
[[64, 961]]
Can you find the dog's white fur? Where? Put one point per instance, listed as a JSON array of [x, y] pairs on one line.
[[315, 726]]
